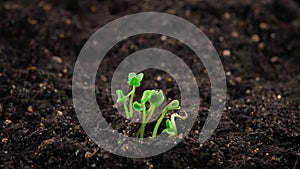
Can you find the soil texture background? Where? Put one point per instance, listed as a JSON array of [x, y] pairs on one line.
[[258, 43]]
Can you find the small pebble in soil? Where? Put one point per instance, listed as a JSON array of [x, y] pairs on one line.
[[238, 79], [158, 78], [103, 78], [274, 59], [32, 21], [231, 82], [187, 13], [115, 106], [226, 52], [171, 11], [261, 45], [234, 34], [255, 38], [221, 38], [263, 26], [149, 164], [30, 109], [46, 6], [68, 21], [279, 97], [4, 140], [181, 4], [274, 158], [227, 15], [125, 148], [228, 73], [42, 85], [65, 70], [88, 155], [60, 113], [7, 122], [248, 91], [163, 38], [94, 9], [57, 59], [273, 35]]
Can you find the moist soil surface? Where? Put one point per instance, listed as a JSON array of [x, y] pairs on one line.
[[258, 43]]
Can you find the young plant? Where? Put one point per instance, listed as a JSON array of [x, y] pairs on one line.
[[123, 99], [155, 99], [171, 125], [173, 105], [134, 80], [141, 107]]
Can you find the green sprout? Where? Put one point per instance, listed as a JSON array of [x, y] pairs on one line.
[[171, 125], [134, 80], [155, 98], [173, 105], [151, 99]]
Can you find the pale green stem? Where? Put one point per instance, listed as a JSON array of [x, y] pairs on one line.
[[151, 111], [131, 102], [143, 124], [126, 110], [145, 121], [173, 120], [163, 114]]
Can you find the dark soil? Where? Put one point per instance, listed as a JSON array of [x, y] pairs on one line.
[[259, 128]]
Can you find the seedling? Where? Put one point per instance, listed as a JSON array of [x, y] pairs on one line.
[[171, 128], [134, 80], [173, 105], [155, 99], [123, 99], [152, 98]]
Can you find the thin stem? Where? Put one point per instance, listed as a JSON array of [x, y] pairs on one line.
[[163, 114], [142, 129], [145, 121], [131, 102], [174, 124], [173, 120], [126, 110], [151, 111]]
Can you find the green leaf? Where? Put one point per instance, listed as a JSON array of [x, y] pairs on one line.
[[134, 79], [138, 106], [140, 76], [131, 75], [146, 96], [157, 98], [170, 132], [121, 97], [173, 105], [169, 128], [169, 125]]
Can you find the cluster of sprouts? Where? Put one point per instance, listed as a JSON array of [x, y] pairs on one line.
[[152, 98]]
